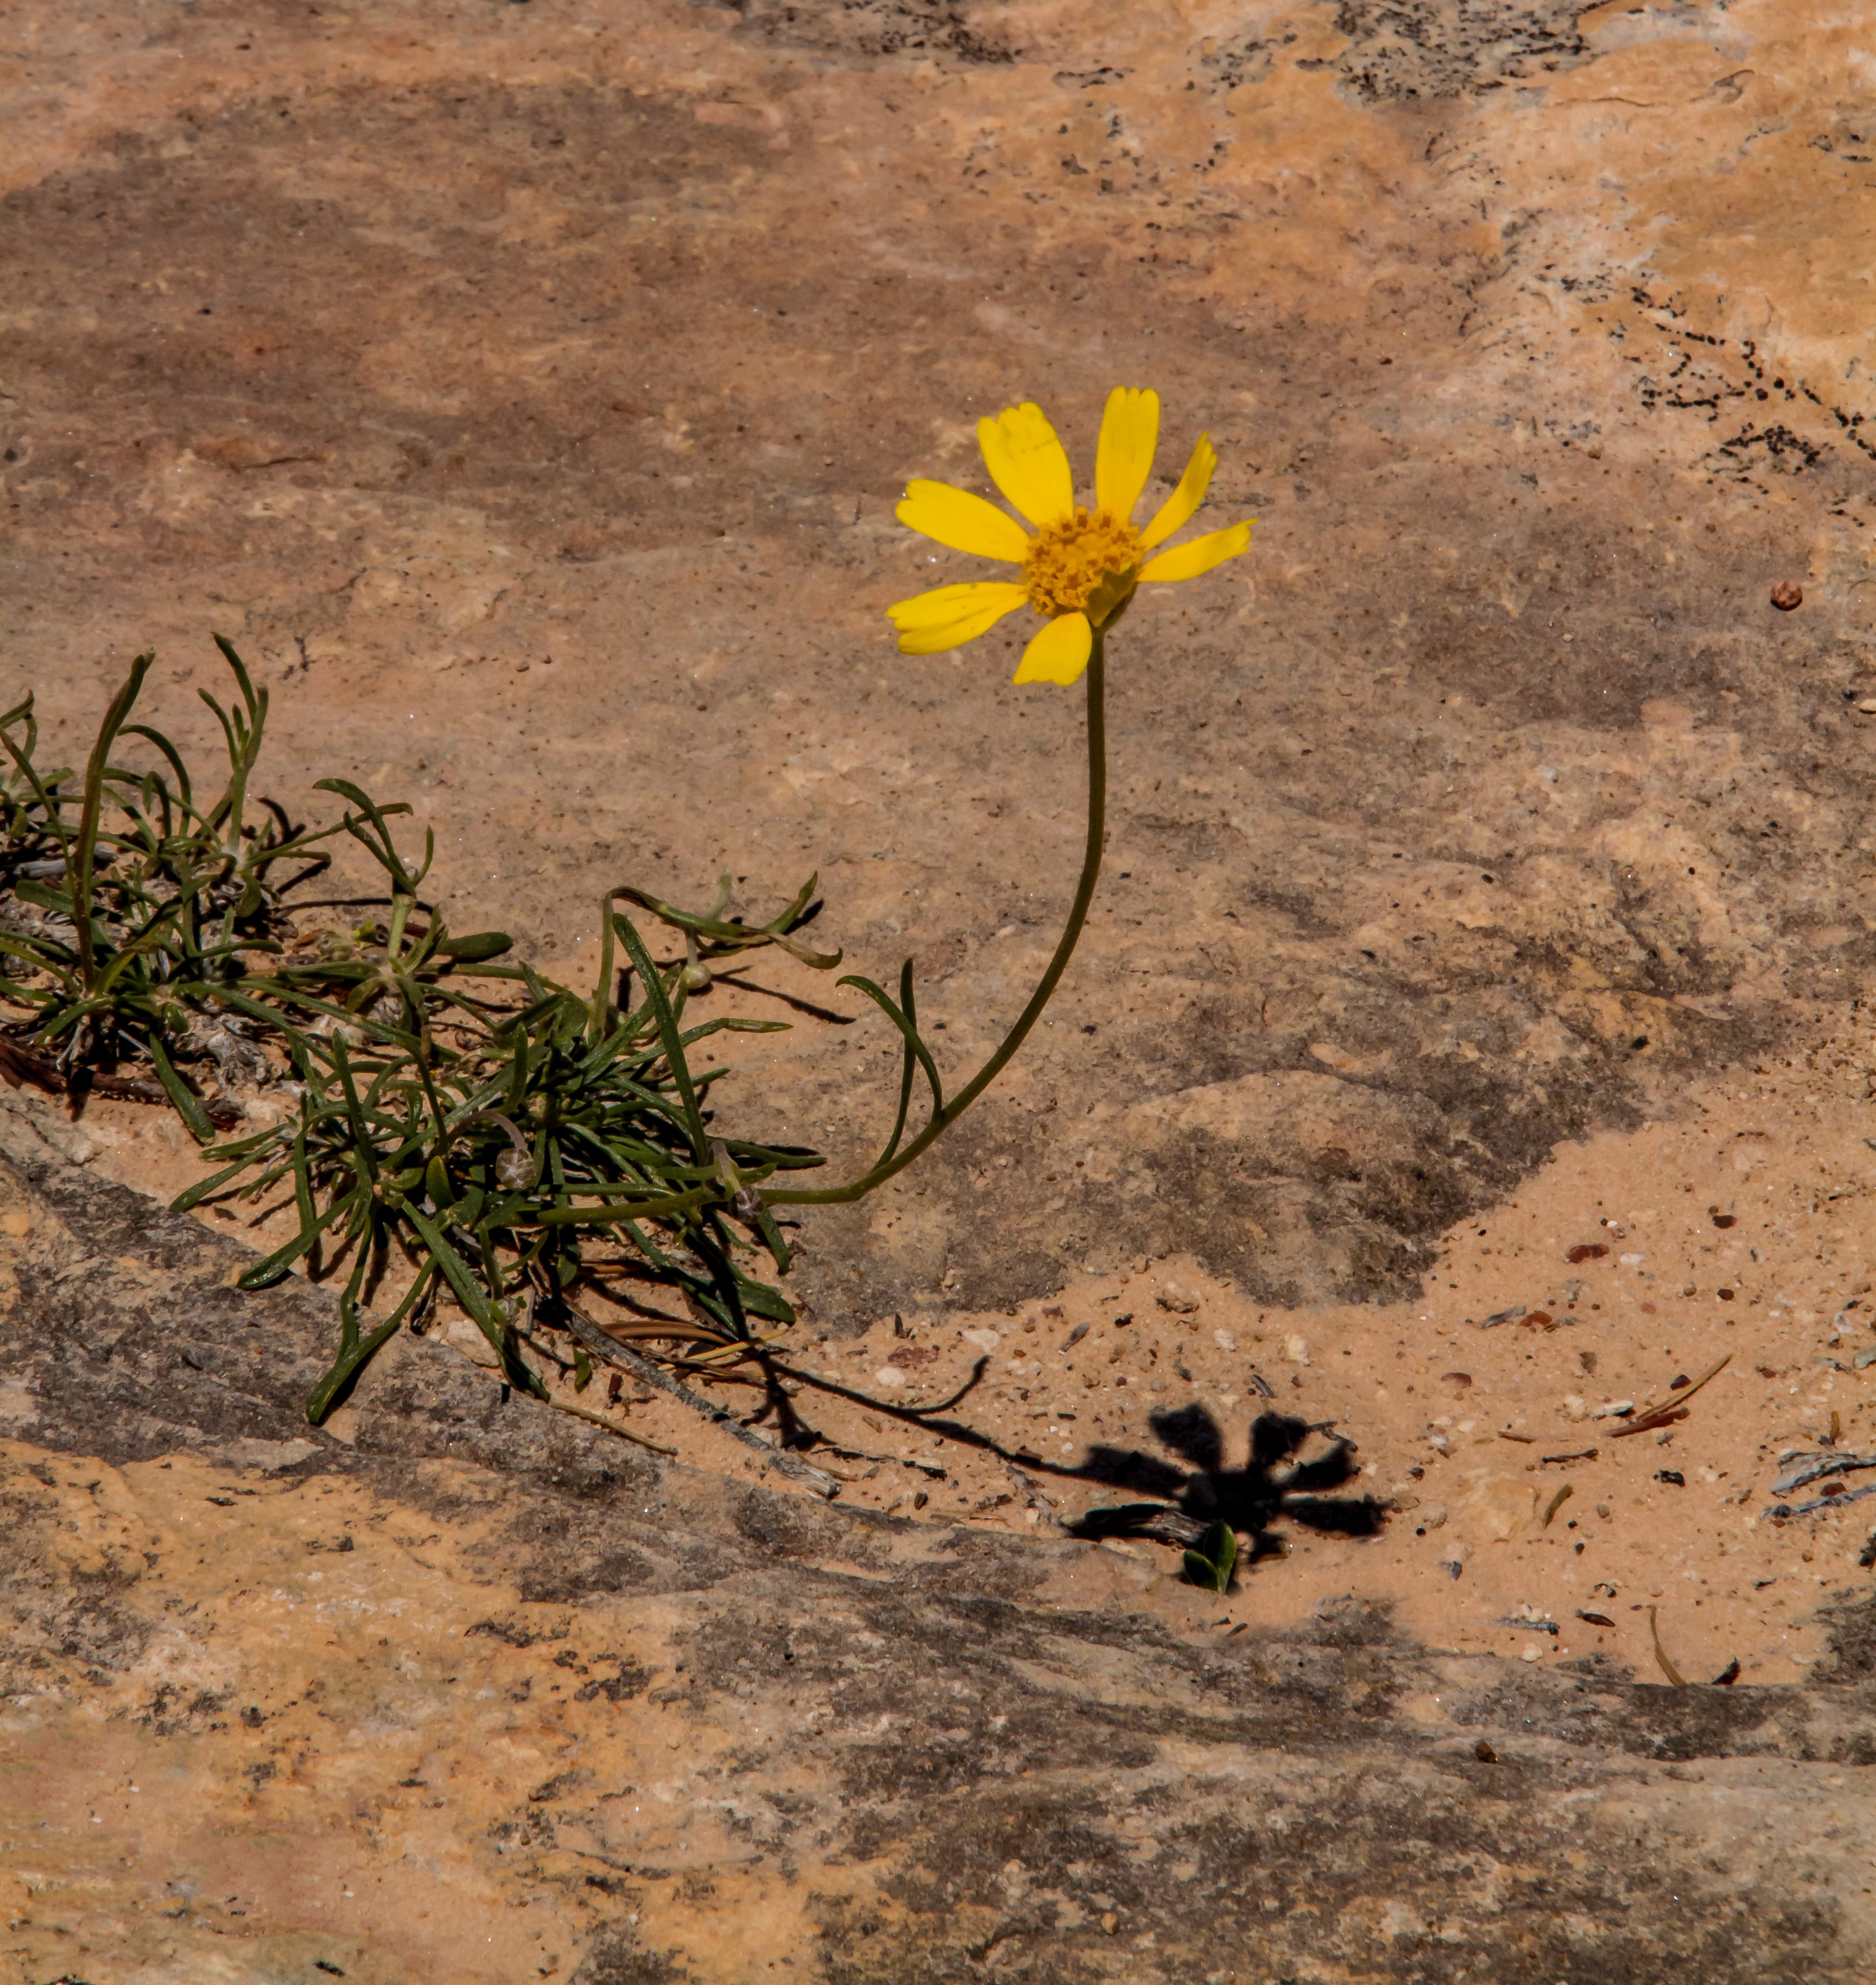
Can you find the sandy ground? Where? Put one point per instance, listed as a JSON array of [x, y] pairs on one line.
[[1486, 1418]]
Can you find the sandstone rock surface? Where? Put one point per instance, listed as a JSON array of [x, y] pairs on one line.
[[526, 388], [477, 1693], [1485, 798]]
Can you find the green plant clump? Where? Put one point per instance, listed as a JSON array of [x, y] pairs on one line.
[[457, 1121]]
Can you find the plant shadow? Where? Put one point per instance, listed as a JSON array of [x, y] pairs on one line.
[[1277, 1480]]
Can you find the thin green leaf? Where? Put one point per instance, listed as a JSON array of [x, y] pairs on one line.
[[728, 1026], [188, 1106], [354, 1356], [185, 1202], [905, 1019], [667, 1031], [263, 1275]]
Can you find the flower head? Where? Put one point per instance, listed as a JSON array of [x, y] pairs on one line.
[[1078, 566]]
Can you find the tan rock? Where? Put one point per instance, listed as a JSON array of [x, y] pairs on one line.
[[1497, 1506]]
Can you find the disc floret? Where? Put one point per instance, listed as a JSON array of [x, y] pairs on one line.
[[1068, 560]]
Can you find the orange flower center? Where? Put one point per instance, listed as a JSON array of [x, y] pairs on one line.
[[1068, 560]]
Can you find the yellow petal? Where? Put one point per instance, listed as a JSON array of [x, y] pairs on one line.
[[1178, 507], [951, 615], [1027, 463], [1059, 653], [965, 522], [1129, 434], [1188, 561]]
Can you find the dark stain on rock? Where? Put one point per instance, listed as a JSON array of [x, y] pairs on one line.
[[616, 1957], [935, 29], [1408, 49]]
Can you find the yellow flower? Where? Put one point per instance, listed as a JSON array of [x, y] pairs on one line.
[[1080, 567]]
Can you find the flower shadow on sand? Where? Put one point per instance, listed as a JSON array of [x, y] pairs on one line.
[[1278, 1480]]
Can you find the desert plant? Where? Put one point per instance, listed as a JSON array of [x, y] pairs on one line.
[[1080, 570], [129, 906], [458, 1119], [438, 1134]]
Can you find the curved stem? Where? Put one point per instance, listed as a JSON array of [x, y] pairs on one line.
[[942, 1120]]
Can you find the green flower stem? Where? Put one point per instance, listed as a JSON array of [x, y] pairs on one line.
[[943, 1118]]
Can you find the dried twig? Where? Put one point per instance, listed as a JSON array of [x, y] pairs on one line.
[[1822, 1502], [1659, 1412], [1157, 1522], [1667, 1667], [611, 1426], [917, 1415], [931, 1470], [18, 1065], [585, 1332], [1813, 1465], [1032, 1492]]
